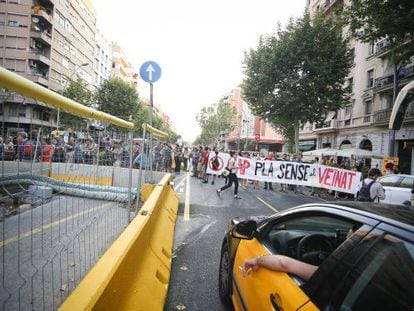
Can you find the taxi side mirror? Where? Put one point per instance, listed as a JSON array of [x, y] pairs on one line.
[[245, 230]]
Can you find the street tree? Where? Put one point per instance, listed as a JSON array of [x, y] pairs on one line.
[[297, 75], [77, 91], [117, 98], [216, 121], [393, 20]]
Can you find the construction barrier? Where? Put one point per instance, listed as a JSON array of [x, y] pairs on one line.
[[134, 272]]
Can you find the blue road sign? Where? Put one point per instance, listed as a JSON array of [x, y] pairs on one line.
[[150, 72]]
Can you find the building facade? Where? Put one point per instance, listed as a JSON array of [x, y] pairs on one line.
[[250, 132], [122, 67], [363, 123], [103, 59], [49, 42]]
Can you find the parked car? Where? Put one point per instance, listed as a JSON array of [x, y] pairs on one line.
[[397, 188], [364, 253]]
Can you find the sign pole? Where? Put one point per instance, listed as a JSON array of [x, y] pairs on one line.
[[151, 101], [150, 142], [150, 72]]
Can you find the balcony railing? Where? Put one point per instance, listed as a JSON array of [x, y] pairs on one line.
[[367, 119], [328, 4], [42, 35], [381, 46], [404, 73], [42, 13], [327, 125], [382, 116]]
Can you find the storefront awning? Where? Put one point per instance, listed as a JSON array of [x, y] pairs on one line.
[[306, 147]]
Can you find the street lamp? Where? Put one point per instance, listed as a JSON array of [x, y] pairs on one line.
[[75, 70]]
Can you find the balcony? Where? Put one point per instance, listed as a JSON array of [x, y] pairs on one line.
[[381, 116], [42, 36], [38, 77], [381, 48], [386, 83], [38, 56], [328, 4], [325, 127], [42, 14]]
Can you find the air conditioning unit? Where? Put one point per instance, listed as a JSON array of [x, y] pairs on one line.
[[32, 63]]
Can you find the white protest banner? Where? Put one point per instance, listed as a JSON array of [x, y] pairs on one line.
[[284, 172]]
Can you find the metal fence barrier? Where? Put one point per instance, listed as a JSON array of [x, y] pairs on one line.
[[65, 193]]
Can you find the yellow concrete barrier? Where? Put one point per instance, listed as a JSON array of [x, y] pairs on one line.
[[134, 272]]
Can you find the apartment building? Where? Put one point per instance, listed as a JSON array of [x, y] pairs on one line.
[[121, 67], [250, 129], [50, 42], [103, 59], [73, 43], [363, 123]]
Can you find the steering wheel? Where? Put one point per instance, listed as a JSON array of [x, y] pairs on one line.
[[314, 257]]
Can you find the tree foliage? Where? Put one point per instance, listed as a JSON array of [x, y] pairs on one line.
[[215, 121], [77, 91], [297, 75], [117, 98], [372, 20]]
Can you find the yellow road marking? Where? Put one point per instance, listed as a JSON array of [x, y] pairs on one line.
[[187, 200], [53, 224], [267, 204]]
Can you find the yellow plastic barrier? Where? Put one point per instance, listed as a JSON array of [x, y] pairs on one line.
[[156, 132], [134, 272], [146, 190]]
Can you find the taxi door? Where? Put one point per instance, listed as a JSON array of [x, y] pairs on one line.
[[264, 289]]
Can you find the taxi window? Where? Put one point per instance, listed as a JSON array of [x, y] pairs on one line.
[[283, 237], [382, 280], [407, 182]]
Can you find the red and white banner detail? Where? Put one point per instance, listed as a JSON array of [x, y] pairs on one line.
[[295, 173]]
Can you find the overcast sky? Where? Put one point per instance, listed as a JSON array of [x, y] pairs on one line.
[[199, 45]]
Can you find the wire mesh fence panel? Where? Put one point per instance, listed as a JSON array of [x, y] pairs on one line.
[[65, 195]]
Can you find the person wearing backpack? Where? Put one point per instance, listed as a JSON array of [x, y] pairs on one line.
[[370, 190]]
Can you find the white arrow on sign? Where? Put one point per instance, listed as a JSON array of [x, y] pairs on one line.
[[150, 71]]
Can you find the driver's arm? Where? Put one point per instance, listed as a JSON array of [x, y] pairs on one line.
[[280, 263]]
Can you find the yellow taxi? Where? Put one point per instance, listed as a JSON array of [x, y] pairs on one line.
[[364, 253]]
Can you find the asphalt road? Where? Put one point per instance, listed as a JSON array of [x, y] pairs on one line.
[[196, 255]]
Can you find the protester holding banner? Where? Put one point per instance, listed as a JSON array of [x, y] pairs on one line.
[[232, 177], [298, 189], [215, 164], [287, 172], [284, 187], [204, 162], [270, 157]]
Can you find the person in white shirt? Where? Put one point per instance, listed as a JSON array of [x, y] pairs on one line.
[[377, 192], [232, 177]]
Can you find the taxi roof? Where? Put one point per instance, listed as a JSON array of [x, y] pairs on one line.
[[399, 213]]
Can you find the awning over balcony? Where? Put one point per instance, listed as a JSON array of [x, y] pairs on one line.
[[330, 116]]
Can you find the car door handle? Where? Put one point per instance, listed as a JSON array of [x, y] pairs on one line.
[[275, 303]]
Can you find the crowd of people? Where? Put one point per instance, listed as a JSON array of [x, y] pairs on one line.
[[167, 158], [198, 159], [73, 150]]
